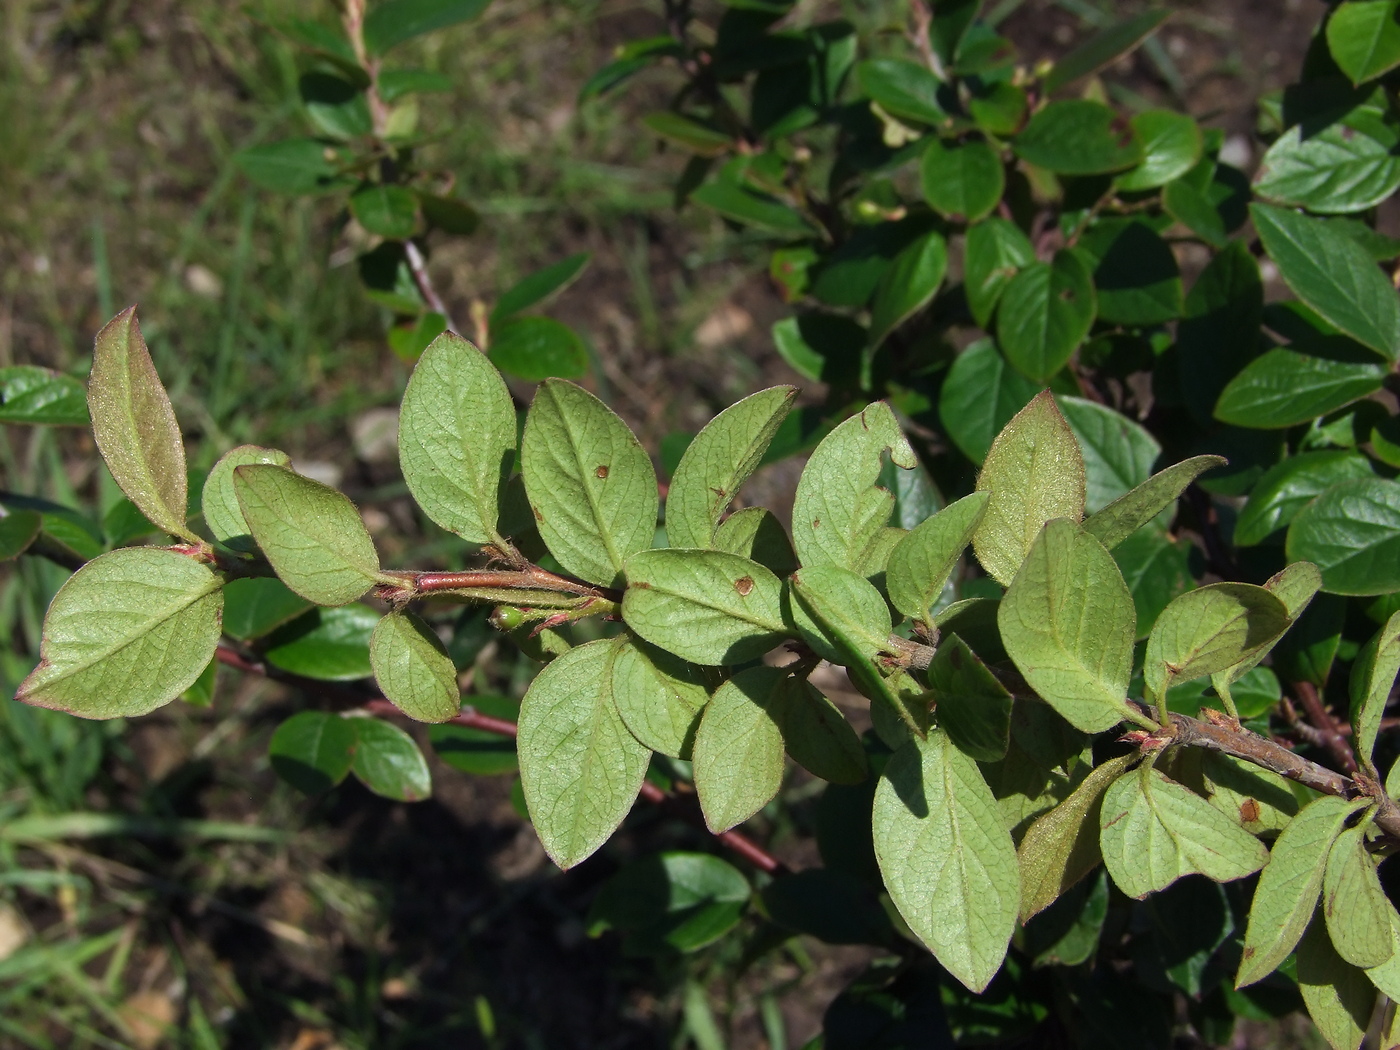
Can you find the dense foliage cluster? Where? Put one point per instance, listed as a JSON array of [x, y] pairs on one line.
[[1087, 540]]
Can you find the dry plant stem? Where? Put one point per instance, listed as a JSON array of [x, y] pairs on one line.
[[418, 266], [735, 841], [1240, 743], [1318, 716], [1209, 523]]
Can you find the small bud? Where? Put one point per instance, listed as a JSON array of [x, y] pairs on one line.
[[506, 618]]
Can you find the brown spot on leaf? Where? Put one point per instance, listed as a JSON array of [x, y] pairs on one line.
[[955, 658], [719, 492], [601, 472], [1249, 811], [816, 523], [744, 584], [538, 515]]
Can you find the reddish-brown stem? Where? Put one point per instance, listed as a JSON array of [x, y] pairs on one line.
[[531, 578], [1321, 720], [735, 841]]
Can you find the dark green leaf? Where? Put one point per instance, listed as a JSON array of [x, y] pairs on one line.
[[670, 902], [395, 84], [33, 395], [1045, 313], [980, 396], [973, 706], [18, 529], [1118, 453], [1286, 387], [539, 286], [737, 202], [1156, 569], [1135, 273], [392, 22], [903, 89], [961, 181], [388, 762], [326, 644], [1352, 533], [388, 211], [1171, 146], [335, 105], [910, 282], [1104, 47], [1130, 512], [478, 751], [1332, 274], [259, 605], [1364, 38], [822, 347], [313, 750], [1079, 137], [296, 166], [995, 250], [1348, 166], [538, 348], [1285, 489], [831, 906]]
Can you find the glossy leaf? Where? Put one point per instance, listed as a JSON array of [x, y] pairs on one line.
[[1364, 38], [312, 535], [961, 181], [580, 767], [539, 286], [980, 396], [1290, 885], [538, 348], [1153, 831], [392, 22], [1118, 453], [1062, 845], [1285, 489], [738, 755], [1211, 629], [907, 286], [135, 426], [903, 89], [1067, 621], [1079, 137], [974, 708], [1348, 166], [995, 251], [1285, 387], [591, 484], [1134, 509], [18, 529], [1104, 47], [720, 459], [1372, 678], [838, 512], [946, 858], [1171, 146], [326, 644], [219, 502], [388, 762], [1332, 274], [924, 559], [386, 211], [255, 606], [670, 902], [1034, 472], [708, 607], [413, 669], [297, 166], [457, 438], [1044, 314], [659, 697], [40, 396], [129, 632], [1136, 279], [313, 750], [1352, 533]]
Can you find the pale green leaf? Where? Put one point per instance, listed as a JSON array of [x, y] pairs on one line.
[[946, 858], [1372, 678], [1260, 799], [1355, 906], [659, 697], [1131, 511], [838, 511], [413, 668], [708, 607], [1153, 831], [457, 438], [974, 708], [312, 535], [129, 632], [1290, 885], [1294, 585], [1062, 846], [135, 427], [1339, 997], [1034, 472], [839, 613], [924, 559], [718, 461], [590, 483], [579, 766], [219, 502], [738, 752], [1067, 622], [1208, 630]]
